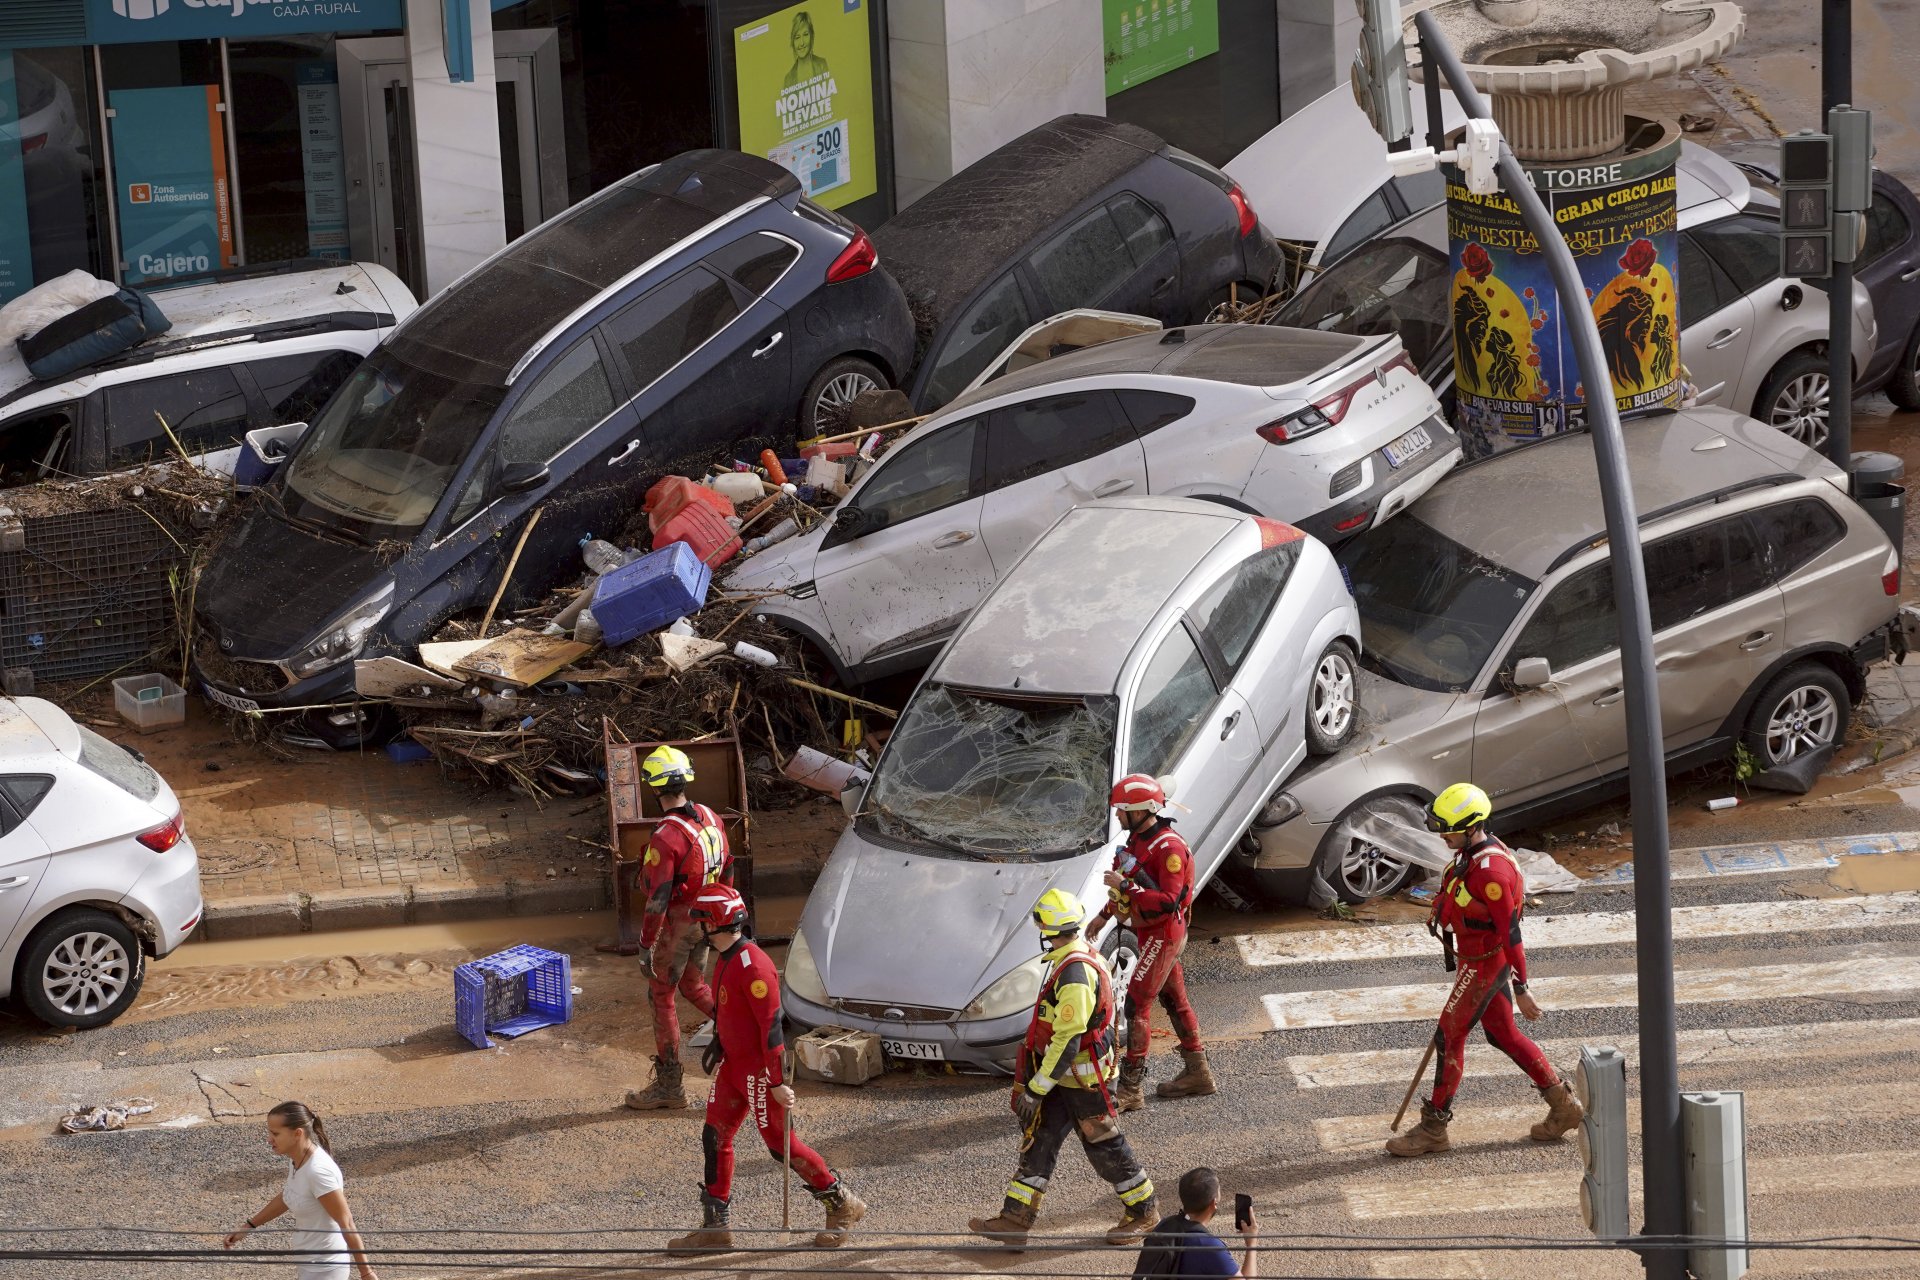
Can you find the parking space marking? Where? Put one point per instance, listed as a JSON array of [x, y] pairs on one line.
[[1723, 920], [1419, 1002]]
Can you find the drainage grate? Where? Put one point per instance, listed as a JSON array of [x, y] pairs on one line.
[[87, 595]]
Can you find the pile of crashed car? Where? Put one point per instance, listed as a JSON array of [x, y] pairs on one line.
[[1255, 559]]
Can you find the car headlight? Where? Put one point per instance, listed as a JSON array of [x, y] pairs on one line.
[[802, 974], [1015, 992], [345, 637]]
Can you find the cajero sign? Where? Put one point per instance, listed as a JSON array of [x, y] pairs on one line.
[[128, 21]]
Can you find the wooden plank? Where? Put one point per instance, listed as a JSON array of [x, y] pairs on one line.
[[441, 656], [386, 676], [521, 658]]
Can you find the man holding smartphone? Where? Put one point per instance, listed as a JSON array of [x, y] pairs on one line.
[[1182, 1246]]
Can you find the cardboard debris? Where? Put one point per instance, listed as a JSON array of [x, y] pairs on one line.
[[520, 658], [683, 653], [838, 1055], [388, 676], [442, 655]]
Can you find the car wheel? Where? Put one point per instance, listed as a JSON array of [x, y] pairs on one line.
[[1333, 700], [1802, 710], [81, 969], [1904, 390], [1356, 868], [1121, 950], [832, 391], [1794, 398]]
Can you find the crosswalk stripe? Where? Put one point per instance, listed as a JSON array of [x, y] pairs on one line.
[[1418, 1002], [1420, 1197], [1758, 859], [1473, 1125], [1718, 920]]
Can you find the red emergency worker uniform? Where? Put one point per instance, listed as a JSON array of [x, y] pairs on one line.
[[1480, 901], [687, 852], [1158, 901], [747, 1022]]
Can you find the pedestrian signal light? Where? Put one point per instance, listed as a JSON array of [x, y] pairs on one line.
[[1806, 206], [1601, 1085]]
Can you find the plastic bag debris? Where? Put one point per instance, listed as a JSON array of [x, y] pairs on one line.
[[112, 1115]]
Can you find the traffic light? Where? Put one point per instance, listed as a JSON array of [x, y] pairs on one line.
[[1601, 1085], [1806, 205], [1380, 70], [1715, 1130]]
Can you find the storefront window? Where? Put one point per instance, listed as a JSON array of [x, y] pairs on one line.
[[50, 218], [286, 133], [172, 174], [1216, 105]]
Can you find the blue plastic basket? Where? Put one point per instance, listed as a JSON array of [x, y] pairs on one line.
[[547, 977]]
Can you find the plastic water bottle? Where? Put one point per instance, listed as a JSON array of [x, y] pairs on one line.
[[586, 629], [602, 556], [755, 654]]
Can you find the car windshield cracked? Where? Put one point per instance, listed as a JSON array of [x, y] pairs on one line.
[[1432, 610], [996, 776]]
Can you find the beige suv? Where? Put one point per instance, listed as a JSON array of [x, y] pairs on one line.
[[1492, 648]]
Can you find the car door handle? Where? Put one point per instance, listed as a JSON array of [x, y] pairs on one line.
[[1111, 487], [769, 344], [1231, 723], [1161, 286], [624, 454], [1722, 338], [1910, 275], [953, 539], [1758, 640], [12, 882], [1610, 697]]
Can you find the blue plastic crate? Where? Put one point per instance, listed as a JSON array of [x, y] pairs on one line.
[[651, 592], [546, 977]]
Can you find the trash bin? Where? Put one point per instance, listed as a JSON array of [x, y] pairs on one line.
[[1878, 489]]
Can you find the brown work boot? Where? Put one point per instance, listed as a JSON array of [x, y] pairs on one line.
[[1010, 1226], [1564, 1112], [1129, 1097], [843, 1210], [713, 1235], [1195, 1079], [665, 1093], [1429, 1137], [1136, 1222]]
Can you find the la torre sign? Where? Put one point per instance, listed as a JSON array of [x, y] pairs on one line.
[[131, 21]]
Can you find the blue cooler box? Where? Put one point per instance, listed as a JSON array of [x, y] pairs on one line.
[[650, 593], [262, 450]]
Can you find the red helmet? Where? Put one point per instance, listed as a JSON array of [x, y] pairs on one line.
[[719, 907], [1139, 791]]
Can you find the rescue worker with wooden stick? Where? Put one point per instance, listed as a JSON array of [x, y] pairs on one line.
[[686, 853], [1151, 888], [748, 1049], [1061, 1082], [1477, 911]]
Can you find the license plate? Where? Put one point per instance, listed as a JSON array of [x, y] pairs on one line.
[[229, 701], [1410, 445], [913, 1050]]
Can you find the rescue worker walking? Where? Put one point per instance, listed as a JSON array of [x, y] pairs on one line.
[[747, 1048], [1060, 1083], [686, 853], [1481, 897], [1151, 889]]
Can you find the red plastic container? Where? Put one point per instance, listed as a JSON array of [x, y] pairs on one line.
[[703, 529], [672, 495], [838, 449]]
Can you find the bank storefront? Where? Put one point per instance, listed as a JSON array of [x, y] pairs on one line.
[[147, 140]]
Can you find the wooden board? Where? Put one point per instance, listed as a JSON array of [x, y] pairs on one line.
[[441, 657], [387, 676], [521, 658], [683, 653]]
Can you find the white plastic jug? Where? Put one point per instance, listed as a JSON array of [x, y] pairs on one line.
[[737, 486]]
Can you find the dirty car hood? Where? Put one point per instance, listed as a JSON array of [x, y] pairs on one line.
[[785, 564], [912, 929], [272, 586]]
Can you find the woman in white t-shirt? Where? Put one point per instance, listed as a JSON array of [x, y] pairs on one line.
[[314, 1194]]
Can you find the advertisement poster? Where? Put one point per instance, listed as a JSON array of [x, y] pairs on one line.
[[805, 78], [319, 106], [16, 248], [1517, 376], [170, 160], [1148, 38]]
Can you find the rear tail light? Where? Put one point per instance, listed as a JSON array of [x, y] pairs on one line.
[[1328, 411], [164, 837], [858, 258], [39, 140], [1248, 219], [1890, 575], [1352, 522]]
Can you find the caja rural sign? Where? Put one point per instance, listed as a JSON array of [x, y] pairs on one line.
[[127, 21]]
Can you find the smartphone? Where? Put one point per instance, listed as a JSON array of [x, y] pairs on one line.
[[1242, 1211]]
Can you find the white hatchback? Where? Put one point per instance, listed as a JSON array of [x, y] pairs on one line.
[[96, 871], [1330, 433]]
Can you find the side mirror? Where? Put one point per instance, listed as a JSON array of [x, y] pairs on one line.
[[1532, 673], [1790, 297], [853, 795], [848, 521], [523, 477]]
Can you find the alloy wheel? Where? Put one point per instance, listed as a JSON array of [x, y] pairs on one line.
[[840, 391], [1332, 701], [1805, 720], [1800, 409], [86, 973]]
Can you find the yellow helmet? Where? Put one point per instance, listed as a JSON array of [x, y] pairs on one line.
[[1058, 912], [667, 769], [1461, 807]]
